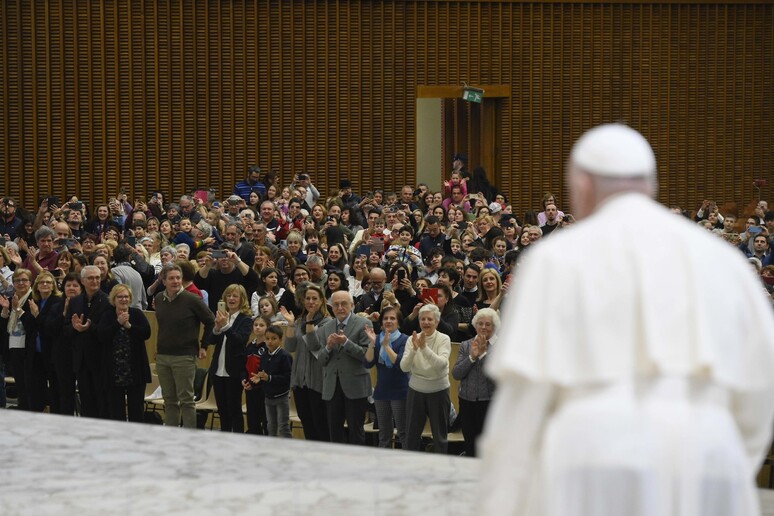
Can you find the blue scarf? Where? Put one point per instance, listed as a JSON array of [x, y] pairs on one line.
[[384, 358]]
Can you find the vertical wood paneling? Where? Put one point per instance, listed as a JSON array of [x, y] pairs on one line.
[[97, 95]]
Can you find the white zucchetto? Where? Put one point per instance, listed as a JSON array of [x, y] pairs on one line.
[[614, 150]]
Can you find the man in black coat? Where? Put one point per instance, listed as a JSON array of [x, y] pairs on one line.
[[81, 319]]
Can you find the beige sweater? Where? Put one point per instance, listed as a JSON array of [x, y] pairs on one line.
[[429, 366]]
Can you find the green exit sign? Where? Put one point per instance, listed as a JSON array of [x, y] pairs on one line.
[[473, 95]]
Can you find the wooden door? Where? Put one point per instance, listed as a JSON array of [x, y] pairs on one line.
[[471, 129]]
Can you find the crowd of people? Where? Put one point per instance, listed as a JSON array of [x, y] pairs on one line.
[[346, 282]]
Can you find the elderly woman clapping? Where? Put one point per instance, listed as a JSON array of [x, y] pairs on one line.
[[476, 388], [426, 358]]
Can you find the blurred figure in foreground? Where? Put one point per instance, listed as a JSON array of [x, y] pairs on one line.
[[629, 396]]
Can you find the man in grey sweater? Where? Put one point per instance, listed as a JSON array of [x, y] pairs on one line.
[[179, 314]]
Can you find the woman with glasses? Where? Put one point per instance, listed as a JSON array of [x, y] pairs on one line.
[[43, 384], [122, 332], [476, 389], [16, 321]]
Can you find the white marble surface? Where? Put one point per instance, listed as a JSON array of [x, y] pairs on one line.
[[57, 465]]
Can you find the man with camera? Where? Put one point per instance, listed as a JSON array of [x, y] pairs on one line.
[[457, 200], [233, 206], [233, 235], [305, 181], [229, 269]]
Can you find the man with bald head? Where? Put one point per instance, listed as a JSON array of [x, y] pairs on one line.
[[629, 396], [371, 300], [340, 344]]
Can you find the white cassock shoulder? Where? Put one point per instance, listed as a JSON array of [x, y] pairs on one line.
[[615, 298]]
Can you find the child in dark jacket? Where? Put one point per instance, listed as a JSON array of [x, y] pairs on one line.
[[274, 376], [255, 350]]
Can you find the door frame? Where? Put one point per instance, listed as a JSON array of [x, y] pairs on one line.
[[489, 115]]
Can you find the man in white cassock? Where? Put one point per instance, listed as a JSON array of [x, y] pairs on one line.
[[632, 396]]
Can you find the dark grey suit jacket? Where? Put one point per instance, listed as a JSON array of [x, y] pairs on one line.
[[345, 362]]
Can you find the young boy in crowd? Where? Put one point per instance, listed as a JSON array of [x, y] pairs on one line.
[[274, 377]]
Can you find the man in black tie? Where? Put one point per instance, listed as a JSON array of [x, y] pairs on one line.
[[341, 344]]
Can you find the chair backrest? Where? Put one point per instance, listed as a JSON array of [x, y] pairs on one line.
[[201, 385], [151, 387]]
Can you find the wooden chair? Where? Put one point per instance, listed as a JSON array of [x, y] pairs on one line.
[[10, 400]]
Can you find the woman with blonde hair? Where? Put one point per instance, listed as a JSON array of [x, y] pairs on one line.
[[490, 288], [43, 384], [233, 324], [122, 333]]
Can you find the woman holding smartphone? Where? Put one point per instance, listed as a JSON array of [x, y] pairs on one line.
[[233, 324]]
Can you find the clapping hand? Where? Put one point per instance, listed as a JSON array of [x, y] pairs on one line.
[[79, 324], [369, 331], [289, 316], [418, 341], [34, 309], [123, 318], [335, 340]]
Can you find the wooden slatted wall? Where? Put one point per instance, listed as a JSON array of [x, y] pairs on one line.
[[179, 94]]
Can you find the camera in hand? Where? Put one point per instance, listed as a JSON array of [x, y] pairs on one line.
[[219, 253]]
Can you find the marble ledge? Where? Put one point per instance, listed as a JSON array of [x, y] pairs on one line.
[[59, 465]]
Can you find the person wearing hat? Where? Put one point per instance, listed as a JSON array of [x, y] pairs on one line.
[[630, 396], [345, 192], [233, 206]]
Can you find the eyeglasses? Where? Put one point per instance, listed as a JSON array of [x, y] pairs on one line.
[[122, 297], [21, 280], [92, 278], [45, 282]]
